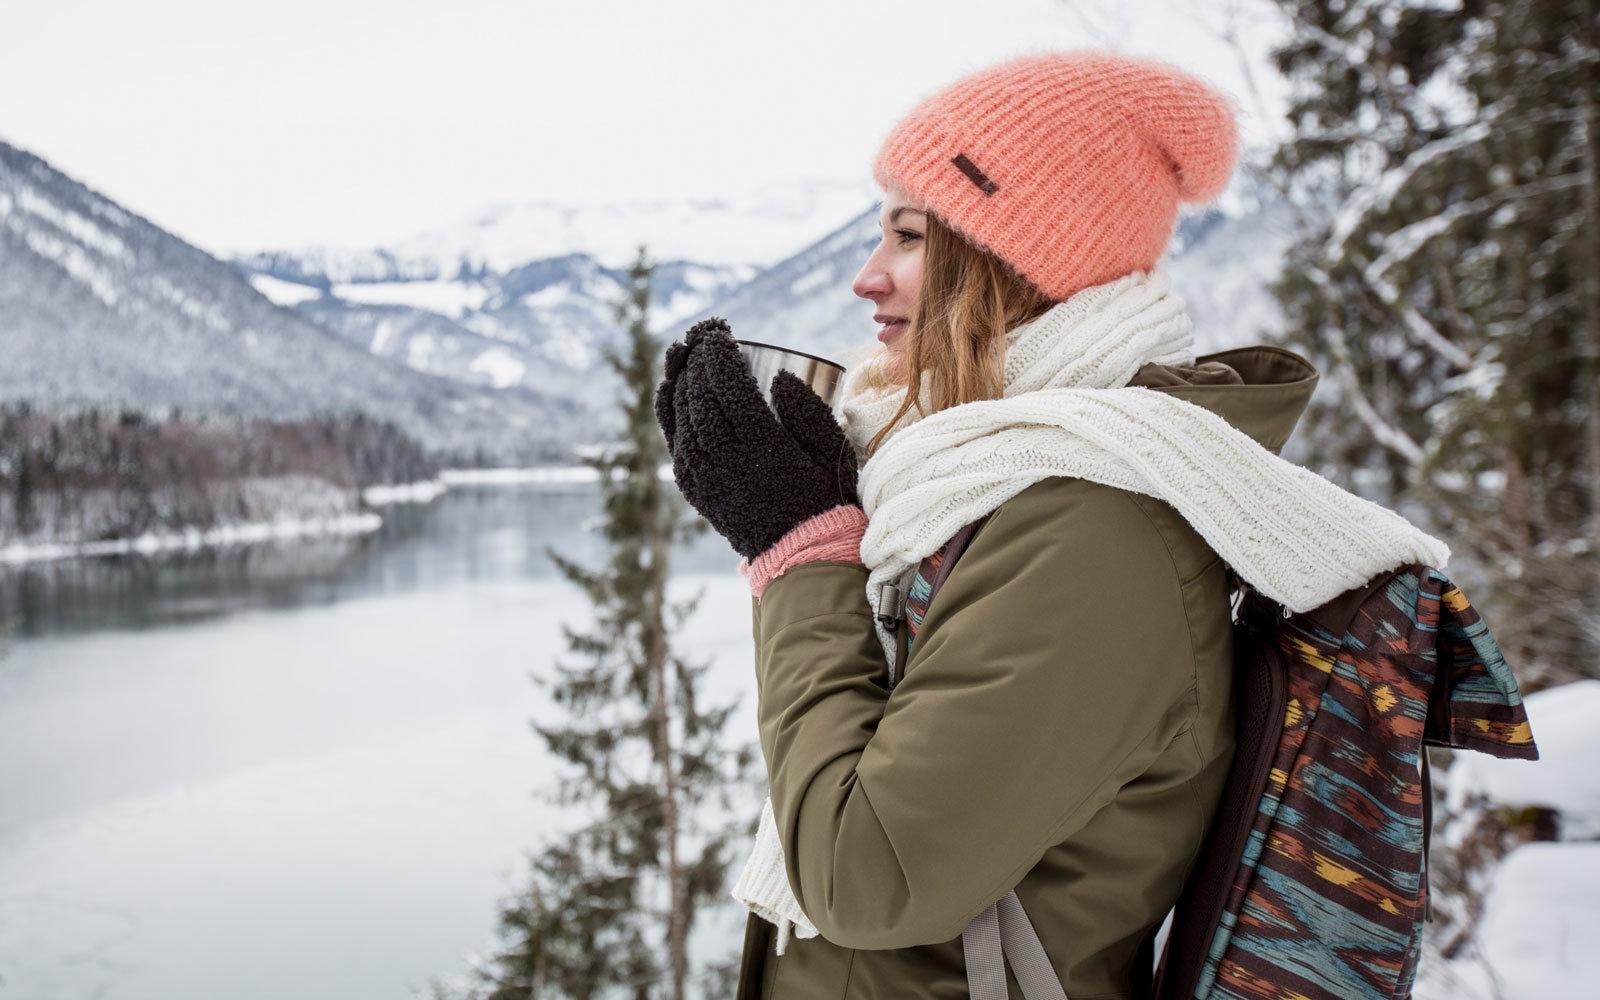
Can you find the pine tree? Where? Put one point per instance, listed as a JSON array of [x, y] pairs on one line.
[[611, 905], [1447, 278]]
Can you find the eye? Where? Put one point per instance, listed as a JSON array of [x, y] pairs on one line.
[[907, 234]]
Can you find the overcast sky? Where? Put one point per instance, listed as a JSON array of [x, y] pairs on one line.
[[352, 122]]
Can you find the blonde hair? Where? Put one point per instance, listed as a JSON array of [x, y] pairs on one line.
[[969, 299]]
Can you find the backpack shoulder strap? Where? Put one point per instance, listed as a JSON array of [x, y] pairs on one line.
[[953, 549]]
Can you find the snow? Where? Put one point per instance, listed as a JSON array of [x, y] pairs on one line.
[[502, 366], [681, 304], [703, 279], [1564, 778], [72, 224], [420, 492], [545, 474], [1377, 196], [209, 313], [420, 351], [518, 476], [1482, 380], [810, 282], [1223, 289], [110, 212], [284, 293], [567, 346], [74, 261], [1541, 916], [447, 298], [549, 297], [1542, 921], [485, 325], [381, 336], [193, 538]]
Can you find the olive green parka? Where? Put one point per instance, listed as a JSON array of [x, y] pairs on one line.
[[1063, 726]]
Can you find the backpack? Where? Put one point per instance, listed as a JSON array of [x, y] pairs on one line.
[[1312, 879]]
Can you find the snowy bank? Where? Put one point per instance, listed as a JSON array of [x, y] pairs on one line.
[[1541, 912], [1542, 921], [191, 539], [388, 493], [517, 476], [103, 521], [539, 474]]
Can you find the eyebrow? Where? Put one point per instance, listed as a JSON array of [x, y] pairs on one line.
[[895, 215]]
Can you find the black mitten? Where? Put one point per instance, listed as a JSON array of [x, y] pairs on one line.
[[810, 422], [677, 356], [752, 476]]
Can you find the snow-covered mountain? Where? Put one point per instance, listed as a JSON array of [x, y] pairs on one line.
[[524, 295], [542, 324], [539, 326], [100, 306]]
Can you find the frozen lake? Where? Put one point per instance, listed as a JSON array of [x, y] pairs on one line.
[[299, 769]]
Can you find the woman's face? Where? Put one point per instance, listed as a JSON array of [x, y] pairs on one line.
[[892, 276]]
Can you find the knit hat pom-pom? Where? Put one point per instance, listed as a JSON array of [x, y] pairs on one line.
[[1194, 125]]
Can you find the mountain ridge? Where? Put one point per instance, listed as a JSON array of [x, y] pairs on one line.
[[104, 307]]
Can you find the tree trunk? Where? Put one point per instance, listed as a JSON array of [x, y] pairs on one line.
[[677, 943]]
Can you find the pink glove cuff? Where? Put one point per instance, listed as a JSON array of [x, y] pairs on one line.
[[833, 534]]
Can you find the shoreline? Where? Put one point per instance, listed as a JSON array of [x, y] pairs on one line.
[[190, 539], [20, 553]]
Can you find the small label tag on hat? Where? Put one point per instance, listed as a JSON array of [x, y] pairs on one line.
[[975, 175]]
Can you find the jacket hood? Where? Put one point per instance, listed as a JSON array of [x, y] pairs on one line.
[[1261, 390]]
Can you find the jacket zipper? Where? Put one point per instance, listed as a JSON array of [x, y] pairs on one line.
[[889, 598]]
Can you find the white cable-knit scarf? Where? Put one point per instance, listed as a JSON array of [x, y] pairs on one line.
[[1067, 410]]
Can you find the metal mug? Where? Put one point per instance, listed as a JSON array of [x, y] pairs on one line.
[[765, 360]]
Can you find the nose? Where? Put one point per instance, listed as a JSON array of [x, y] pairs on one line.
[[872, 282]]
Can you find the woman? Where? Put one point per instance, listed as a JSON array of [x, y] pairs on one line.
[[1057, 722]]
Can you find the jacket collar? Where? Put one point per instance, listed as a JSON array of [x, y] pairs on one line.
[[1272, 390]]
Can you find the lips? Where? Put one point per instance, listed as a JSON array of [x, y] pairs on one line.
[[891, 325]]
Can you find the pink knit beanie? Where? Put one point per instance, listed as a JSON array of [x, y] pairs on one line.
[[1067, 165]]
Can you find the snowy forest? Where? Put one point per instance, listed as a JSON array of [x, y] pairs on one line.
[[96, 474]]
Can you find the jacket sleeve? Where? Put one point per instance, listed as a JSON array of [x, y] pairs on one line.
[[1053, 666]]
